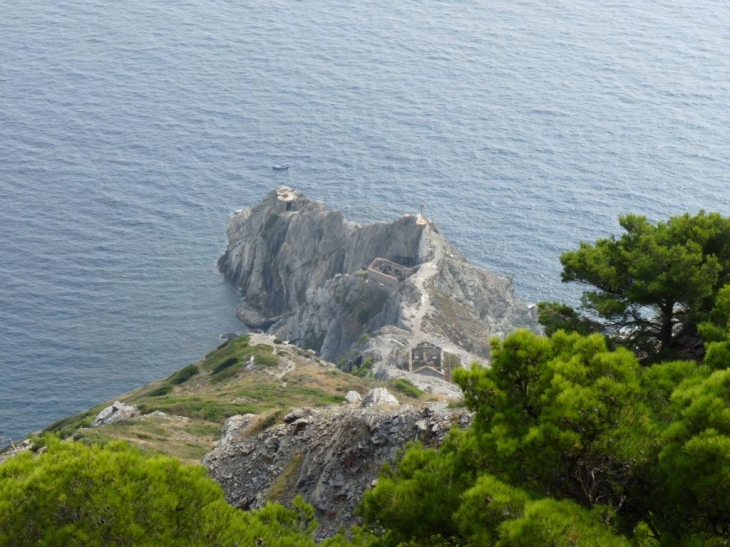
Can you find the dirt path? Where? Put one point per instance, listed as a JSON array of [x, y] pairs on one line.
[[416, 313]]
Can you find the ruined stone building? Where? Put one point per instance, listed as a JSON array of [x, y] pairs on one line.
[[431, 360], [387, 275], [426, 354]]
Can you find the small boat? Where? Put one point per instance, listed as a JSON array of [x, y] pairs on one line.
[[282, 167]]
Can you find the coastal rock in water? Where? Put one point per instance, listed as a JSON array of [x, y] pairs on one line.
[[330, 460], [115, 413], [379, 396], [352, 292]]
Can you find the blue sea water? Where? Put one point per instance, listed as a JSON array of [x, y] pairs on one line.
[[130, 130]]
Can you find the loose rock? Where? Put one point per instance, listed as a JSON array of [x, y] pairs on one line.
[[330, 458], [353, 397], [379, 396], [115, 413]]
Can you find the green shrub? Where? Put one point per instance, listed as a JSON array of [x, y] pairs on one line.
[[75, 494], [264, 355], [363, 370], [273, 217], [195, 407], [363, 315], [182, 376], [160, 391], [225, 364], [407, 387], [225, 374]]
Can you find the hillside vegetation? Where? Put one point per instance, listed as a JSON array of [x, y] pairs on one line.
[[608, 432], [240, 377]]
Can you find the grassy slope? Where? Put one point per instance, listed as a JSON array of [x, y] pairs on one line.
[[197, 405]]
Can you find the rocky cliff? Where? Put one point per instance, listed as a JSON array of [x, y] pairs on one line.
[[329, 456], [310, 276]]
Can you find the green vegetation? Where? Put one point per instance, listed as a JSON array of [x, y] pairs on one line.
[[571, 434], [183, 375], [577, 440], [160, 391], [313, 343], [225, 364], [652, 288], [67, 426], [587, 437], [284, 483], [363, 315], [196, 400], [76, 495], [407, 387], [273, 218], [364, 369]]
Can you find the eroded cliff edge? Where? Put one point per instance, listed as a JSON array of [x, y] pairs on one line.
[[329, 456], [391, 292]]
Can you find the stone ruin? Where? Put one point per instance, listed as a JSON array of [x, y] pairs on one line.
[[388, 275], [431, 360]]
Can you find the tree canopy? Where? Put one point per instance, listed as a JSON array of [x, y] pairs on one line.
[[75, 495], [651, 286], [573, 444]]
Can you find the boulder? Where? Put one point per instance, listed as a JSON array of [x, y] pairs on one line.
[[377, 397], [115, 413], [297, 414], [353, 397]]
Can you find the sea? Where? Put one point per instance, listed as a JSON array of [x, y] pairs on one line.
[[130, 130]]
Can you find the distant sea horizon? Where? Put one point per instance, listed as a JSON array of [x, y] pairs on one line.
[[131, 131]]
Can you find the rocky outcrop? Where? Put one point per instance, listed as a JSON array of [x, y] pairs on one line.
[[115, 412], [310, 276], [379, 397], [329, 456]]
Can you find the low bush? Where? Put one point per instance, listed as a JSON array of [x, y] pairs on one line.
[[160, 391], [182, 376], [363, 370], [407, 387], [225, 364]]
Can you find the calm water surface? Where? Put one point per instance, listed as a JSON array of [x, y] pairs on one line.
[[129, 131]]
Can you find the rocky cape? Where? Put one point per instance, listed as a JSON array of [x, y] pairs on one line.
[[351, 291], [344, 293]]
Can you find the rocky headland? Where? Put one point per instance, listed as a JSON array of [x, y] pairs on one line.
[[388, 301], [397, 295]]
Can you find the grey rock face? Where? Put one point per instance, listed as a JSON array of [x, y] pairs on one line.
[[330, 457], [353, 397], [303, 273], [377, 397], [235, 426], [115, 413]]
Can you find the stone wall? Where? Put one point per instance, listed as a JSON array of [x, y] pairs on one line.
[[429, 371], [388, 267], [383, 281]]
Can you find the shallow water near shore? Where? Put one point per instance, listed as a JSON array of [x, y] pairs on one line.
[[131, 130]]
